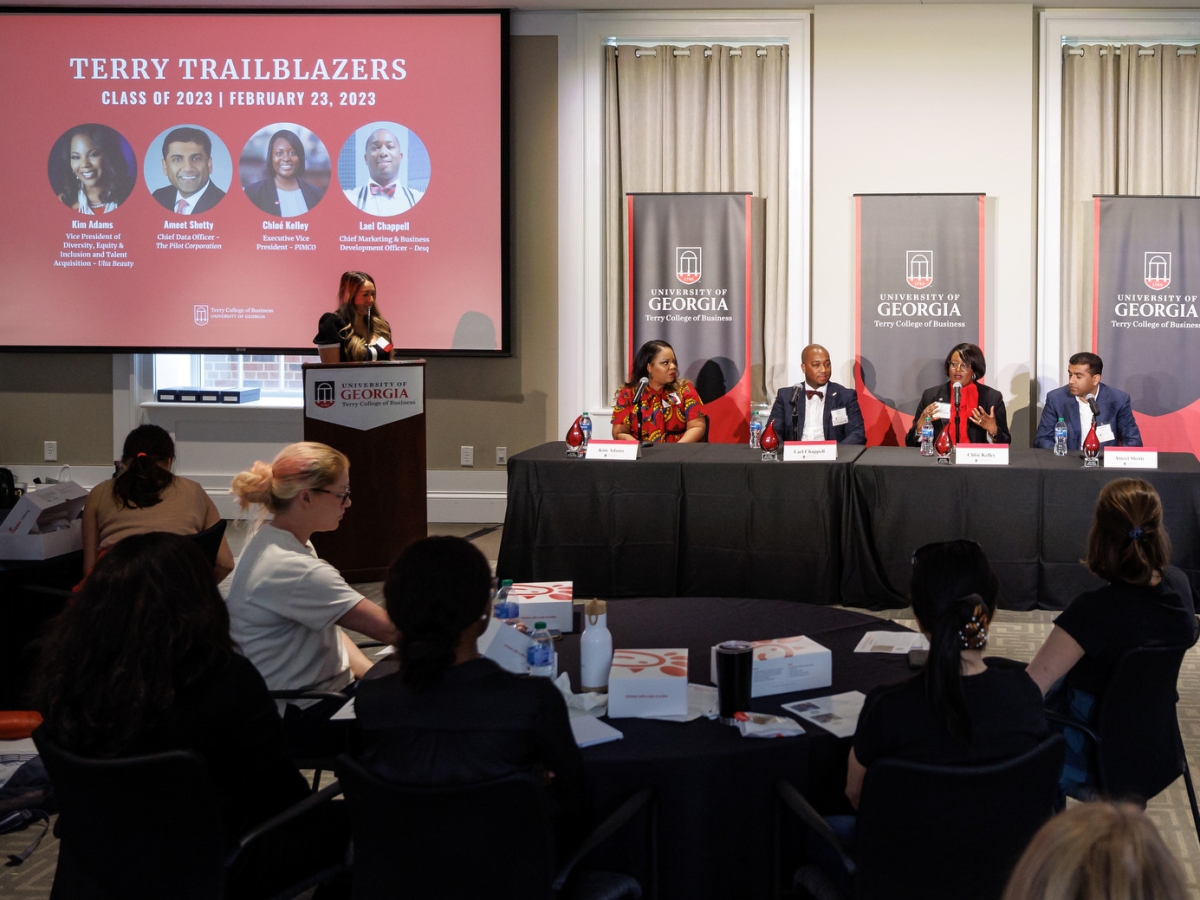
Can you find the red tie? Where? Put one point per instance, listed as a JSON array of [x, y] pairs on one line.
[[812, 394], [390, 190], [181, 206]]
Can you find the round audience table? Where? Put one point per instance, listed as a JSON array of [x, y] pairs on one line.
[[715, 788]]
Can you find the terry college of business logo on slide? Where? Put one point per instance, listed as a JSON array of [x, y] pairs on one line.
[[324, 393], [918, 268], [200, 315], [687, 264], [1158, 269]]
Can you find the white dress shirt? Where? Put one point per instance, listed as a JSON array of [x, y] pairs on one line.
[[814, 414]]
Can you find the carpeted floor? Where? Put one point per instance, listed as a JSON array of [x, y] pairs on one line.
[[1016, 635]]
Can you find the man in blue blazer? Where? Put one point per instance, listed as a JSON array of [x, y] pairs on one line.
[[1069, 402], [823, 410]]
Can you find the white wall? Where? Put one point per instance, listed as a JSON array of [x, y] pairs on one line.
[[931, 99]]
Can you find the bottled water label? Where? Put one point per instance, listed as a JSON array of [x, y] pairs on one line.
[[540, 657]]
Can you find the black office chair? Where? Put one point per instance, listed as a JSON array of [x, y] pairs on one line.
[[148, 827], [1136, 748], [494, 839], [927, 832], [318, 764], [209, 540]]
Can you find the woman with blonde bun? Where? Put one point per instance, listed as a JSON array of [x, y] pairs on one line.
[[1098, 851], [287, 607]]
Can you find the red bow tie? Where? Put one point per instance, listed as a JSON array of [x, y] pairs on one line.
[[390, 190], [812, 394]]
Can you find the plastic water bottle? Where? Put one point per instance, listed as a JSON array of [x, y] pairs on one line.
[[505, 608], [585, 425], [1060, 437], [756, 430], [540, 654], [927, 437]]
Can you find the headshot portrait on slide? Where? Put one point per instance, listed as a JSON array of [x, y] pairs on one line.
[[284, 169], [92, 169], [383, 169], [188, 169]]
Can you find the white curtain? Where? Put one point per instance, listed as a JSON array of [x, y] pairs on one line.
[[1131, 126], [699, 119]]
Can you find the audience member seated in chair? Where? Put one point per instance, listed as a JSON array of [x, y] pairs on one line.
[[1146, 603], [145, 496], [443, 715], [287, 607], [1098, 851], [144, 663]]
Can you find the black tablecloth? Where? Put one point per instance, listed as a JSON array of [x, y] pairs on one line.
[[715, 788], [685, 520]]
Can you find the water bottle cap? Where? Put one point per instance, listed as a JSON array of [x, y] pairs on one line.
[[506, 582], [1060, 418], [585, 412], [538, 626]]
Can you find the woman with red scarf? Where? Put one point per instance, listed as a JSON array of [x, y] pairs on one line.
[[981, 415]]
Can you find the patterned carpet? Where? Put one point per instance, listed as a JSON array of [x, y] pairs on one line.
[[1016, 635]]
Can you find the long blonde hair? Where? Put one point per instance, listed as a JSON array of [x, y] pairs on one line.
[[305, 466], [1098, 851], [356, 348]]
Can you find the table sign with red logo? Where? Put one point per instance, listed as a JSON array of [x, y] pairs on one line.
[[551, 602], [646, 683], [784, 665]]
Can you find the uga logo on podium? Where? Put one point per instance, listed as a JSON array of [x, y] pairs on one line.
[[918, 268], [687, 264], [1158, 269], [323, 393]]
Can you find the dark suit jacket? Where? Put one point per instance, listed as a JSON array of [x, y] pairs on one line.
[[836, 397], [1115, 410], [988, 397], [212, 196], [265, 195]]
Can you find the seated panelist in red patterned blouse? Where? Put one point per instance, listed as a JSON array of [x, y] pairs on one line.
[[670, 408]]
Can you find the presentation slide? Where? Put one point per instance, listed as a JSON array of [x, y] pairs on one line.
[[200, 182]]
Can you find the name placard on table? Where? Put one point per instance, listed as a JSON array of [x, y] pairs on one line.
[[809, 451], [1131, 457], [981, 455], [613, 449]]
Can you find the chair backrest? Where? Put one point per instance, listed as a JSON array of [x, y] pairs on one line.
[[209, 540], [494, 839], [952, 832], [137, 827], [1140, 750]]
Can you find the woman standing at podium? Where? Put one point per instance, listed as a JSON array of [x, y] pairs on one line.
[[356, 332], [668, 407]]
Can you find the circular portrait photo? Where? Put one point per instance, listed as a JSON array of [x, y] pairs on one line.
[[92, 169], [384, 169], [188, 169], [284, 170]]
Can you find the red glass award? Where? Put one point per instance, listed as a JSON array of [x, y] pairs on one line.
[[769, 442], [574, 437], [943, 445], [1091, 448]]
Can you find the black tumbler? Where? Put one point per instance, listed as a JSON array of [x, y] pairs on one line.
[[735, 663]]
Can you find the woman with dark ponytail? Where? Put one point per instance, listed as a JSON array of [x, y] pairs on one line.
[[960, 708], [146, 496], [1145, 603], [439, 713]]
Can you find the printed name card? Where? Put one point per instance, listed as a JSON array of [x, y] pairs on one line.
[[809, 451], [981, 455], [613, 449], [1131, 457]]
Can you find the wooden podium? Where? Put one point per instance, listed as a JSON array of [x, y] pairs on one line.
[[374, 412]]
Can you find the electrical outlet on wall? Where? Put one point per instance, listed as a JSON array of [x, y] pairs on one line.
[[50, 453], [466, 456], [501, 456]]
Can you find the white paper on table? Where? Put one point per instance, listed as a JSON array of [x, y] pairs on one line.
[[702, 701], [837, 714], [588, 731], [345, 713], [891, 642]]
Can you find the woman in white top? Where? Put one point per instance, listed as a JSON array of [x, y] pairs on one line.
[[287, 607]]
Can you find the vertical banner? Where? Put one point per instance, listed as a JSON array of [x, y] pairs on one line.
[[918, 288], [1146, 278], [689, 285]]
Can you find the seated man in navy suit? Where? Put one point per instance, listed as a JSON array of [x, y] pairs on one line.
[[820, 409], [1115, 425]]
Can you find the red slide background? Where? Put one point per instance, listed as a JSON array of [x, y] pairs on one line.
[[450, 98]]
